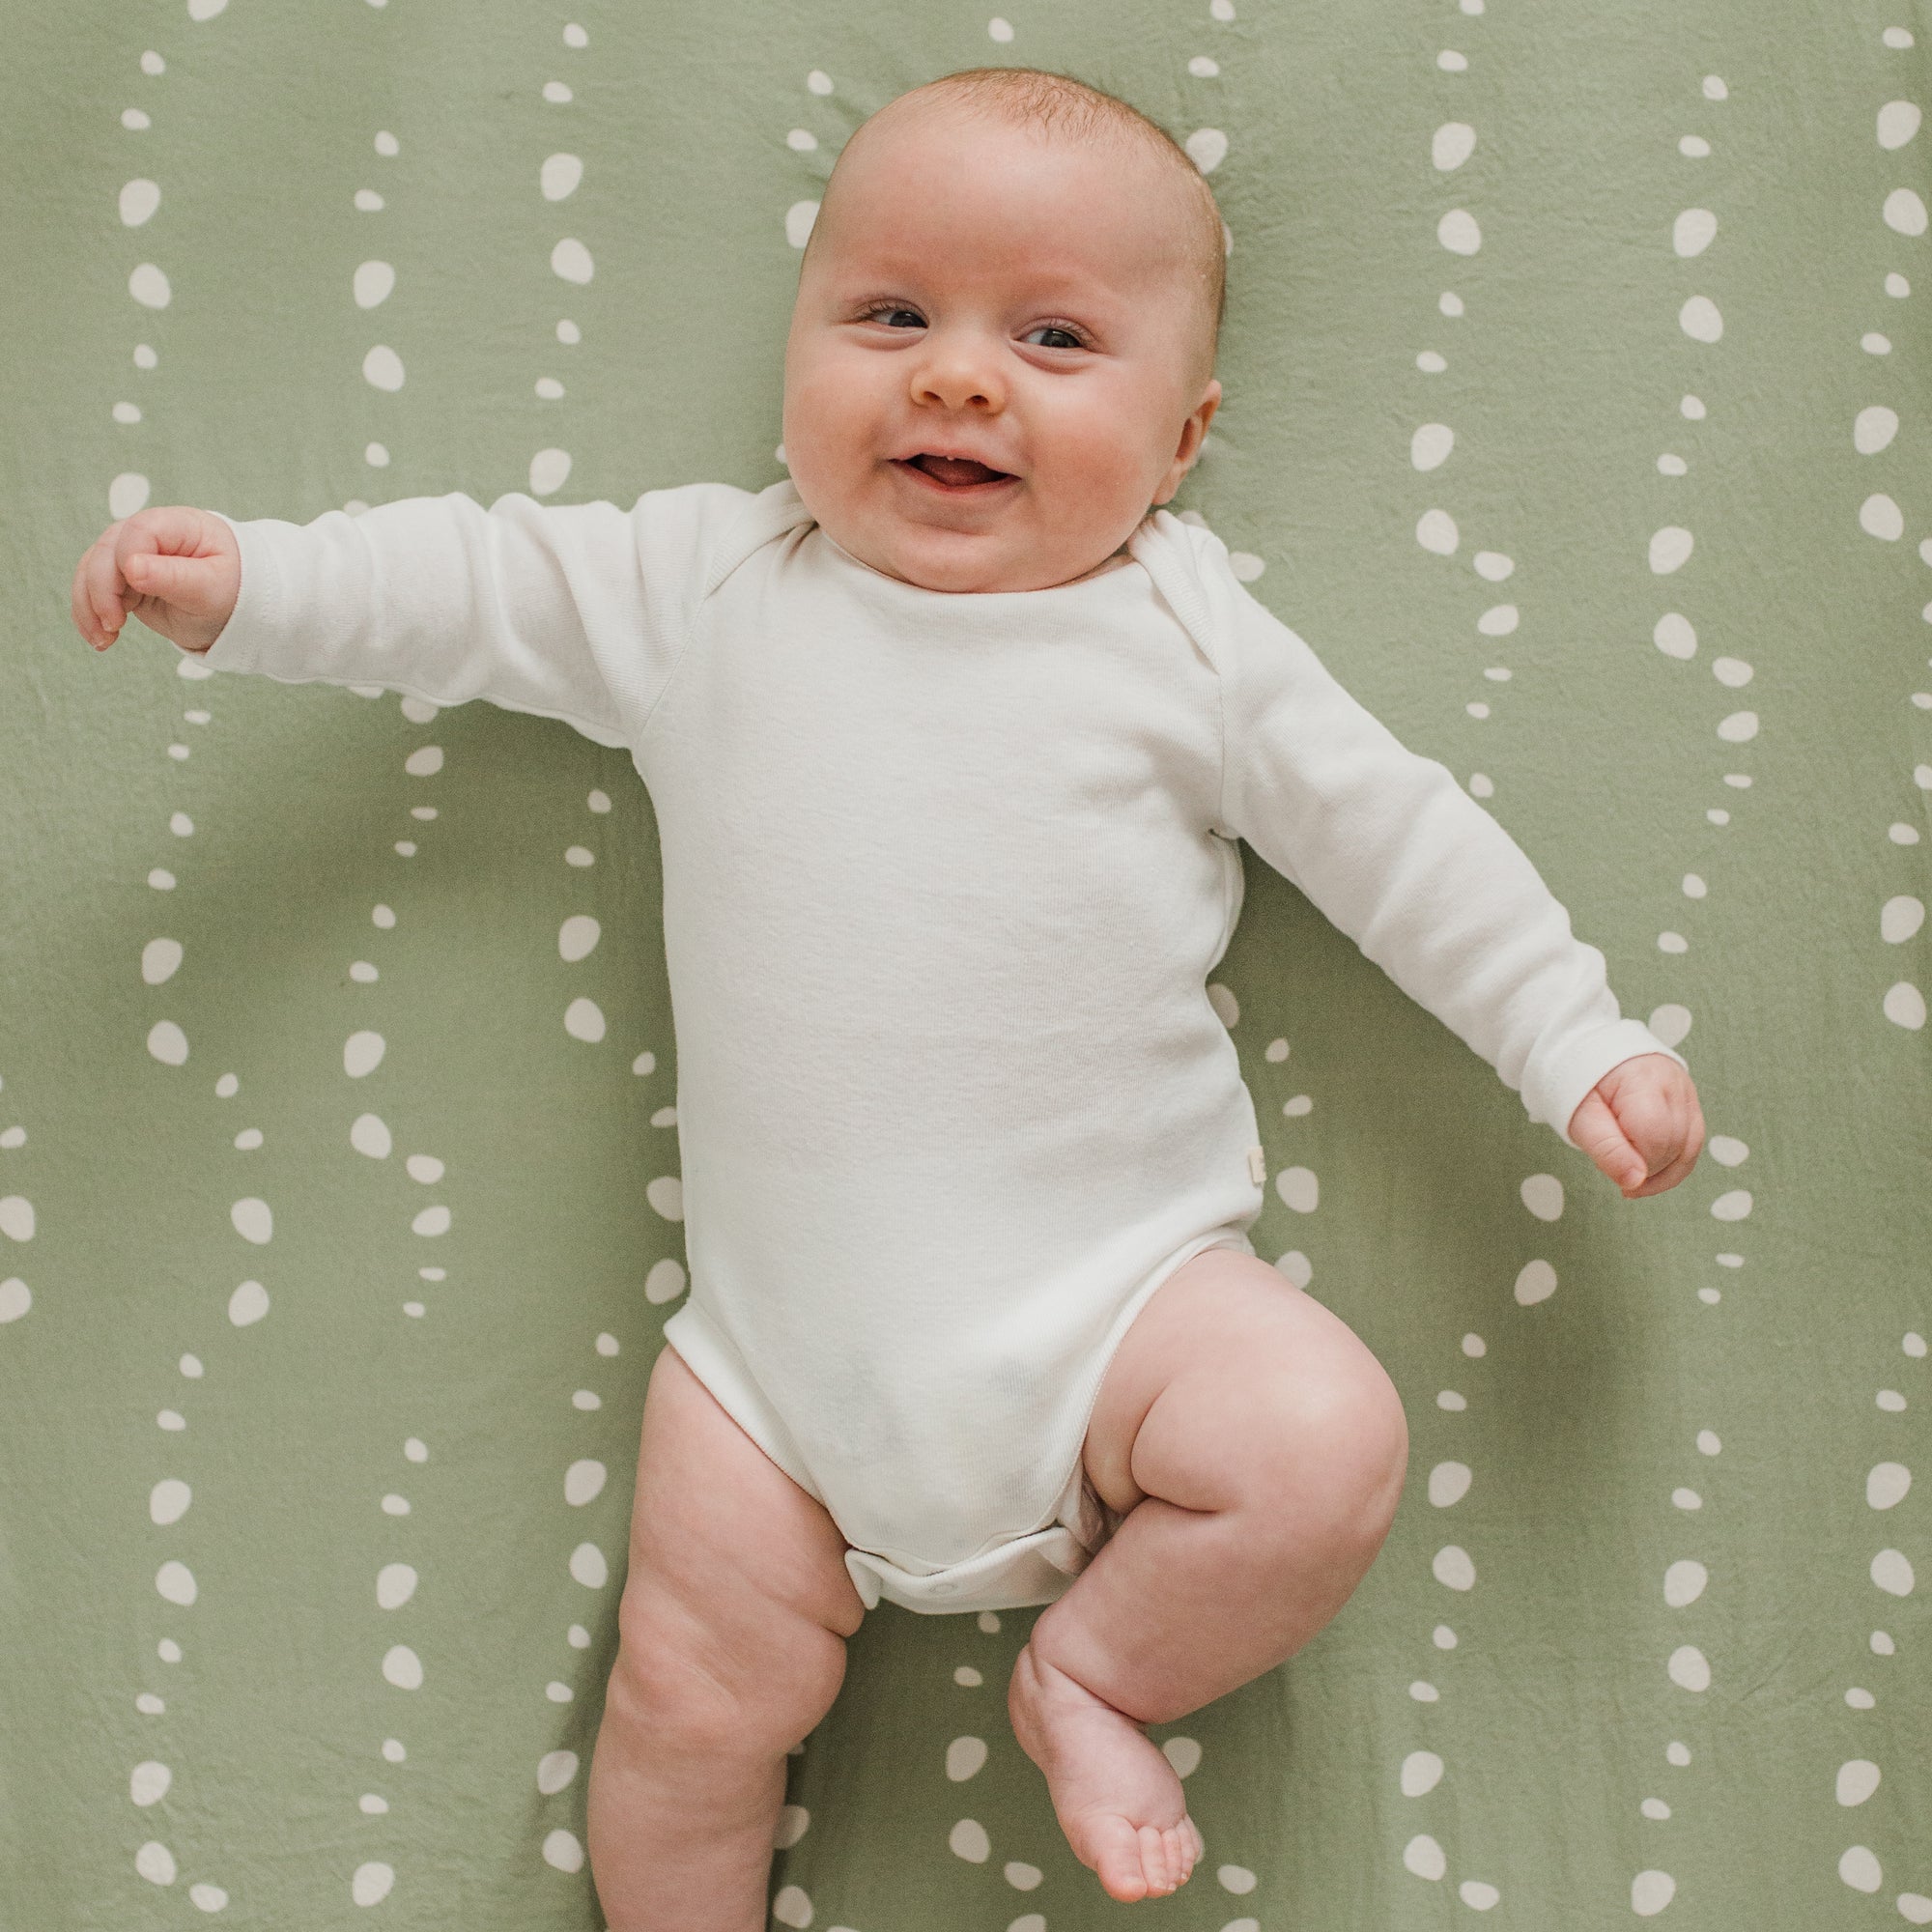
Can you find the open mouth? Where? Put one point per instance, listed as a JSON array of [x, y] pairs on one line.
[[958, 476]]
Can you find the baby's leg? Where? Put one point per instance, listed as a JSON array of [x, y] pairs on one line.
[[731, 1648], [1257, 1450]]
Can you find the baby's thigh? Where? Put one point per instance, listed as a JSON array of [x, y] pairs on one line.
[[1233, 1386], [734, 1569]]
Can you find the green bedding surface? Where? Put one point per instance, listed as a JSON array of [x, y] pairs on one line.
[[1577, 413]]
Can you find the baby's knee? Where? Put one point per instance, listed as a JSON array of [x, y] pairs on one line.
[[1339, 1454], [745, 1686], [1379, 1433]]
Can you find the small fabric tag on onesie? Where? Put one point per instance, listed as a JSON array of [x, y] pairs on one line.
[[1258, 1166]]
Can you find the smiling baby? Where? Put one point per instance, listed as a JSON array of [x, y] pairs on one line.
[[951, 738]]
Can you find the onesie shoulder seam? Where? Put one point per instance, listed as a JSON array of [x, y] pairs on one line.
[[1188, 596], [765, 515], [768, 514], [1222, 674]]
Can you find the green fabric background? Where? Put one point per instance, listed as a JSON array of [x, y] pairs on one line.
[[279, 814]]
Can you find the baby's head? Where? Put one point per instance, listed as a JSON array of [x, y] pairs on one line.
[[1012, 267]]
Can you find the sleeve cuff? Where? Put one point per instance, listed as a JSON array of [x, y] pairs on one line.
[[257, 603], [1559, 1088]]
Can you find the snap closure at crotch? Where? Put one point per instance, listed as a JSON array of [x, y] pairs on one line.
[[1019, 1574]]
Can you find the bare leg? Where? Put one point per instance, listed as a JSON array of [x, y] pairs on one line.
[[1257, 1450], [731, 1648]]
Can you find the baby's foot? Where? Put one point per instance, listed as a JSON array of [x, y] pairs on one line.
[[1116, 1795]]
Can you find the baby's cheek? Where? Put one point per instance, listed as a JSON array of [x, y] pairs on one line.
[[804, 438], [818, 454], [817, 417], [1098, 489]]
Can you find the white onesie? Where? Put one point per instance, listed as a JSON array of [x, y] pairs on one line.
[[944, 878]]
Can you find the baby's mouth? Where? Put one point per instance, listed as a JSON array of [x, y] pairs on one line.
[[953, 472]]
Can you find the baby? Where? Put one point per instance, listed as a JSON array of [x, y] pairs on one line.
[[951, 738]]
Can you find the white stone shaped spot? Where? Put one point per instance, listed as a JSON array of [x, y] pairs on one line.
[[168, 1501], [1537, 1282], [395, 1585], [1543, 1195], [584, 1481], [363, 1053], [1684, 1582]]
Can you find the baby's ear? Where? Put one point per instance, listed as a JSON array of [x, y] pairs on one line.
[[1193, 434]]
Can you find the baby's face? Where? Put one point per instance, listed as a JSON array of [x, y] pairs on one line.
[[979, 291]]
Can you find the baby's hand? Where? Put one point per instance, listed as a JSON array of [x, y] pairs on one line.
[[177, 570], [1641, 1124]]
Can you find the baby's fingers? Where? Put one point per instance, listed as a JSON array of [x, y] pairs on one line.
[[1594, 1128], [1653, 1103], [178, 556], [190, 583], [1672, 1150], [95, 599]]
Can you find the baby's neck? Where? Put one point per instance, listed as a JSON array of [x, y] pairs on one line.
[[1106, 563]]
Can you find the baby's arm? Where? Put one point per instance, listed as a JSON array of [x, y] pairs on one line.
[[1389, 846], [575, 611]]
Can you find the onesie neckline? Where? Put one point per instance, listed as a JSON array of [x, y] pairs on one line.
[[1110, 566]]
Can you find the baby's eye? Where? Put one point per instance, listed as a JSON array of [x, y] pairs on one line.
[[890, 313], [1070, 340]]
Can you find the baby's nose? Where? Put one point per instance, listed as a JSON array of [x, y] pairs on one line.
[[959, 375]]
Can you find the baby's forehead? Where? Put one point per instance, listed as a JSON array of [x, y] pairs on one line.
[[976, 156], [979, 140]]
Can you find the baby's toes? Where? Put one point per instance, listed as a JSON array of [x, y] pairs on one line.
[[1179, 1854], [1156, 1860], [1173, 1866], [1186, 1843], [1118, 1858]]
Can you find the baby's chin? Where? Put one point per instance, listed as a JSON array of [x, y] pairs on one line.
[[963, 563]]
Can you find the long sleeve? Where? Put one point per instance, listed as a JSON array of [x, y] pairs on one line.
[[574, 611], [1431, 888]]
